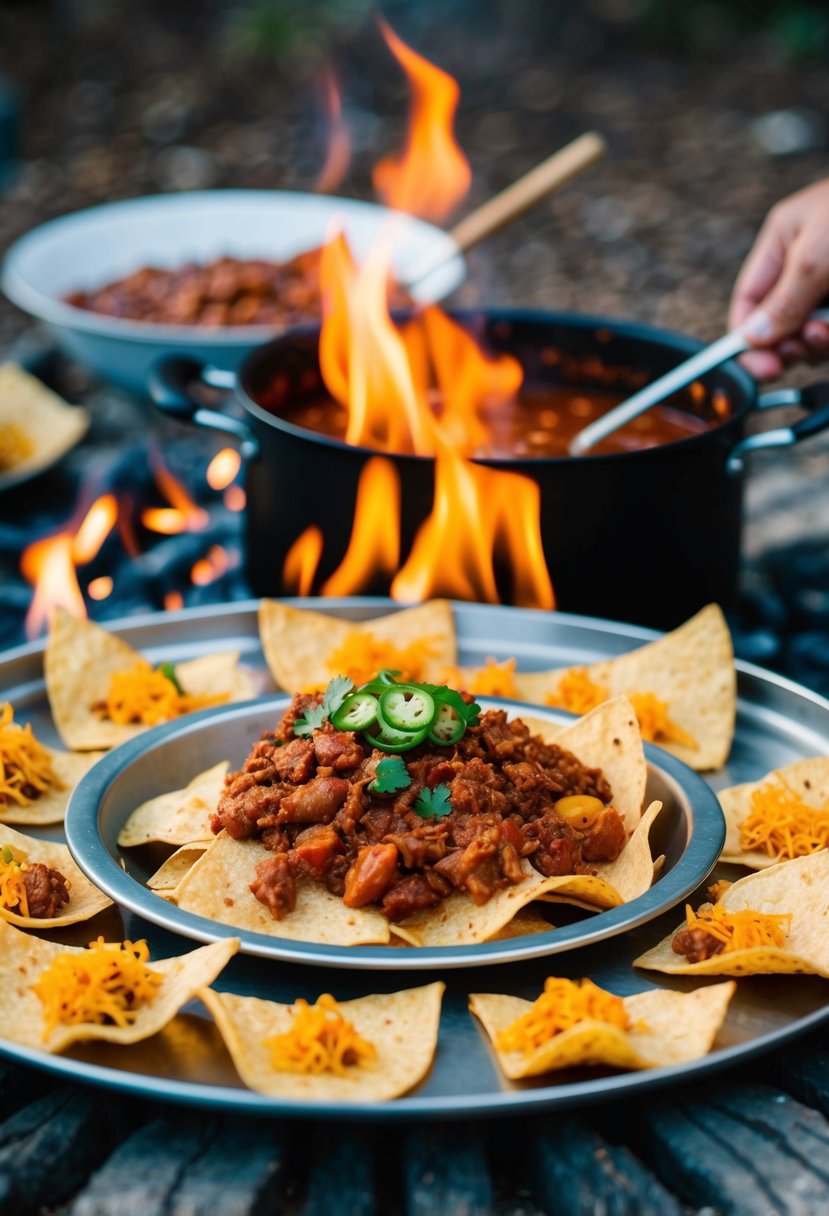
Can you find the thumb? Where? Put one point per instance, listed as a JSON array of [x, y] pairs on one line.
[[802, 284]]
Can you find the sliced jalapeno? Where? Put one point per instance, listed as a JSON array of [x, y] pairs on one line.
[[357, 712], [390, 740], [406, 707], [448, 726]]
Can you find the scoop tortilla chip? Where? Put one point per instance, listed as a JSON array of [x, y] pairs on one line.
[[691, 668], [50, 806], [168, 876], [666, 1028], [24, 958], [799, 888], [297, 643], [80, 659], [809, 779], [85, 900], [51, 426], [217, 887], [403, 1026], [607, 738], [525, 923], [180, 816]]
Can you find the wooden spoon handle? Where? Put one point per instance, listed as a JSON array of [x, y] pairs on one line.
[[550, 175]]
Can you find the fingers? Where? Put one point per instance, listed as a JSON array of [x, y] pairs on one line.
[[762, 267], [801, 285]]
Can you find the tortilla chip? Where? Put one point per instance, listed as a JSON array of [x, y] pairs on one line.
[[85, 900], [218, 887], [525, 923], [23, 958], [52, 426], [180, 816], [632, 873], [297, 643], [799, 888], [691, 668], [607, 738], [403, 1026], [667, 1028], [79, 661], [809, 779], [50, 806], [167, 877]]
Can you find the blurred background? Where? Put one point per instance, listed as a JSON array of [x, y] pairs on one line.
[[713, 111]]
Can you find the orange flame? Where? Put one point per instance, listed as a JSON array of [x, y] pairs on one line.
[[49, 565], [235, 498], [374, 547], [301, 561], [431, 175], [363, 357], [338, 156], [212, 566], [183, 514], [223, 468], [100, 588], [173, 601], [477, 512]]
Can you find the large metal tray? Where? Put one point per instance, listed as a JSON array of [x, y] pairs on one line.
[[778, 722]]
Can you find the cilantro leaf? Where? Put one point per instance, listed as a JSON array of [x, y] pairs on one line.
[[391, 775], [433, 804], [335, 693], [169, 673], [311, 720]]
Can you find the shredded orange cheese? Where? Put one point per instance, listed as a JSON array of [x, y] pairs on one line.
[[717, 889], [577, 693], [654, 722], [739, 930], [781, 825], [494, 680], [147, 696], [25, 765], [13, 894], [562, 1005], [362, 655], [15, 445], [106, 985], [320, 1040]]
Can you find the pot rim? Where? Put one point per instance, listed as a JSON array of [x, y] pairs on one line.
[[631, 330]]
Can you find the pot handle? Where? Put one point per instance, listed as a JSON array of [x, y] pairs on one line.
[[814, 398], [169, 383]]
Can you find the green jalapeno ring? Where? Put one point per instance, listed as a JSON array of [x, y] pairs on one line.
[[407, 707], [357, 712]]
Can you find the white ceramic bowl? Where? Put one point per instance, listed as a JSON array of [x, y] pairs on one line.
[[90, 248]]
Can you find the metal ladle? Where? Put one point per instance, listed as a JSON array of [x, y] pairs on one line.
[[733, 344]]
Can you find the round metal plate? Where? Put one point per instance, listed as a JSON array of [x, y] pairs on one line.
[[689, 832], [777, 723]]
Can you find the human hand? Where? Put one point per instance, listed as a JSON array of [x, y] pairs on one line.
[[784, 277]]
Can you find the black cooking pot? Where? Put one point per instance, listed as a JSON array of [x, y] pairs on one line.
[[647, 536]]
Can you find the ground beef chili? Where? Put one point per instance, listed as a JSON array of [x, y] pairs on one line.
[[46, 890], [308, 800], [696, 945]]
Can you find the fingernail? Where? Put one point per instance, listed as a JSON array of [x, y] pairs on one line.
[[816, 333], [758, 326]]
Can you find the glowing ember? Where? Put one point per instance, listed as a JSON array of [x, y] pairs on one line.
[[100, 588], [431, 176], [223, 468], [374, 547], [477, 513], [301, 561], [49, 566], [97, 524], [338, 156], [235, 498], [183, 515], [212, 566]]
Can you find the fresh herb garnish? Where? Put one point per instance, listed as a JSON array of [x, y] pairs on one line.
[[169, 673], [391, 775], [450, 696], [335, 693], [310, 721], [434, 804]]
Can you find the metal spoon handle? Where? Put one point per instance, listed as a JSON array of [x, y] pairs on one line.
[[734, 343]]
